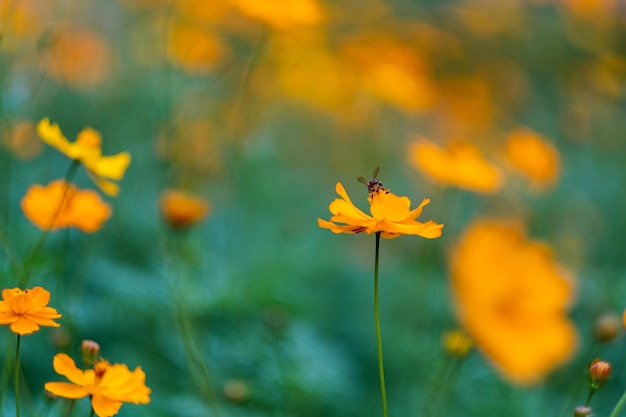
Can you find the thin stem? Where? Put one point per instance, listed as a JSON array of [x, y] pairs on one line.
[[69, 408], [44, 236], [619, 405], [381, 368], [17, 377], [591, 392]]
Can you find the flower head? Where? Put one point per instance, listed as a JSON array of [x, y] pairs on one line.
[[181, 210], [26, 310], [391, 215], [108, 385], [599, 372], [511, 296], [532, 155], [461, 164], [60, 204], [88, 152]]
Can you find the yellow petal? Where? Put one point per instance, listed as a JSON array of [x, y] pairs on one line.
[[52, 135], [112, 167], [390, 207], [65, 366], [66, 390], [104, 406], [108, 187]]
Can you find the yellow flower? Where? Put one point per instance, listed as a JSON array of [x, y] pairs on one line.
[[108, 385], [181, 210], [511, 296], [88, 152], [26, 310], [461, 164], [60, 204], [533, 156], [391, 215]]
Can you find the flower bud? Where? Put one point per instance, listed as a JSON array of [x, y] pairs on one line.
[[582, 411], [89, 351], [606, 327], [599, 372], [457, 343]]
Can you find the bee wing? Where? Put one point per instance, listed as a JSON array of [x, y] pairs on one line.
[[376, 172], [362, 180]]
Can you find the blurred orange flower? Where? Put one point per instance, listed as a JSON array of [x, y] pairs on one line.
[[393, 73], [80, 58], [61, 204], [511, 296], [461, 164], [26, 310], [181, 210], [193, 47], [21, 139], [391, 215], [108, 385], [533, 156], [282, 14], [87, 151]]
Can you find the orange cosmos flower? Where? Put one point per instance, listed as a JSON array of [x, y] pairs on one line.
[[461, 164], [391, 215], [511, 296], [282, 14], [181, 210], [533, 156], [108, 385], [87, 151], [60, 204], [26, 310]]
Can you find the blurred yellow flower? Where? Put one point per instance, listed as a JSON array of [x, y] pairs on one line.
[[26, 310], [511, 296], [391, 215], [461, 164], [87, 151], [281, 14], [181, 210], [533, 156], [60, 204], [108, 385]]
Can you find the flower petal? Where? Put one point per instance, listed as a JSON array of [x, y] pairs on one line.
[[104, 406], [36, 299], [390, 207], [428, 230], [64, 365], [112, 167], [66, 390], [24, 325], [416, 212], [52, 135]]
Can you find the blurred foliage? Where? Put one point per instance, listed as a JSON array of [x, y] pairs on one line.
[[260, 107]]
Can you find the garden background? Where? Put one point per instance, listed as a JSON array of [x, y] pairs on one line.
[[260, 108]]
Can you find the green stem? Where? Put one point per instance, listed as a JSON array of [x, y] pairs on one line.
[[619, 405], [591, 392], [44, 236], [17, 377], [381, 368]]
